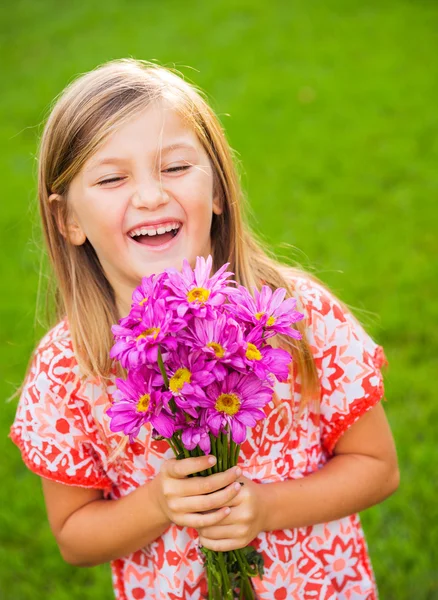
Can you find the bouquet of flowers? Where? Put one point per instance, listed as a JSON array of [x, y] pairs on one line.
[[200, 371]]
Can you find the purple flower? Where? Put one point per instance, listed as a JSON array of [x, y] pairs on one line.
[[137, 403], [195, 432], [268, 360], [195, 291], [221, 341], [263, 360], [139, 346], [187, 372], [150, 290], [235, 404], [268, 309]]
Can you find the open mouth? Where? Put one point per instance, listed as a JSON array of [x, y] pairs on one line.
[[156, 239]]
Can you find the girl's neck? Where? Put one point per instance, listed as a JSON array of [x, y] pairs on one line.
[[123, 307]]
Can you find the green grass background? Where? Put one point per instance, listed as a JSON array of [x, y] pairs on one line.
[[332, 107]]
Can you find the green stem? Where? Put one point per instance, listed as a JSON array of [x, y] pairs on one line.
[[220, 456], [252, 571], [209, 583], [172, 445], [166, 380], [214, 577], [214, 452], [162, 369], [249, 592], [236, 454], [227, 592], [225, 451], [245, 585], [178, 444], [199, 452], [232, 450]]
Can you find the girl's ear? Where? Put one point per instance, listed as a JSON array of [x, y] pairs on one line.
[[68, 227], [217, 205]]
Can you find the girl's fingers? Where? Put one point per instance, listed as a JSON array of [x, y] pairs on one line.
[[196, 486], [179, 469], [210, 501], [220, 531], [224, 545], [199, 520]]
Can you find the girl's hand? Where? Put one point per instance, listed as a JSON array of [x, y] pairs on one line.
[[195, 501], [245, 521]]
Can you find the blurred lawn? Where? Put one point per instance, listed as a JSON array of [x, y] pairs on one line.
[[332, 109]]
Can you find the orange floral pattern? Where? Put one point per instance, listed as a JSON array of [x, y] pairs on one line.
[[63, 433]]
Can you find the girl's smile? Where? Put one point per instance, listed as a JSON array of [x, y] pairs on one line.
[[158, 238], [155, 234]]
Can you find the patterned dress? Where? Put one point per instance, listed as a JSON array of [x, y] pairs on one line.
[[63, 433]]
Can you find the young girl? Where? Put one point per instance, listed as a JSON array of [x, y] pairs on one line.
[[135, 175]]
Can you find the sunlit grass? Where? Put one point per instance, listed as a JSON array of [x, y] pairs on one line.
[[332, 110]]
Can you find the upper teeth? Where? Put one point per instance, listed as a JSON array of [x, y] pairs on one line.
[[154, 230]]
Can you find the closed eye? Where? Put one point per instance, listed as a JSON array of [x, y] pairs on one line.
[[110, 180], [176, 169]]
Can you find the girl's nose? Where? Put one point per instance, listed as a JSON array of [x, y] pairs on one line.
[[149, 194]]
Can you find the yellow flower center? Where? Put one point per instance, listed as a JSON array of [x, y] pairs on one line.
[[143, 403], [228, 403], [180, 377], [252, 352], [145, 299], [151, 331], [217, 349], [198, 295], [270, 321]]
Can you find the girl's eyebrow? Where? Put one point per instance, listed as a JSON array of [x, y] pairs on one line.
[[115, 159]]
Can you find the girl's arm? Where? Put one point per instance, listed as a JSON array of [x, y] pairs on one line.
[[362, 472], [91, 530]]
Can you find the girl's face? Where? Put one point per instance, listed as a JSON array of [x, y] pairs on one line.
[[152, 173]]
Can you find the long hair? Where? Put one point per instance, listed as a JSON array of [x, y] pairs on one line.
[[83, 116]]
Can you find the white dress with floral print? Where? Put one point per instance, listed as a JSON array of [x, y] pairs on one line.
[[63, 433]]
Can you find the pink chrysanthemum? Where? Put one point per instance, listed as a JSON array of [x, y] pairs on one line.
[[268, 360], [188, 374], [195, 291], [235, 404], [139, 346], [195, 432], [145, 295], [221, 342], [267, 308], [264, 360], [137, 403]]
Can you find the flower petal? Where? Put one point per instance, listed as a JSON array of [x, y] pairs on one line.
[[238, 431]]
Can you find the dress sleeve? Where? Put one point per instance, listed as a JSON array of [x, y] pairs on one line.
[[348, 361], [53, 427]]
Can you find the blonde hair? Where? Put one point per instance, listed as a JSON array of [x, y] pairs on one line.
[[83, 116]]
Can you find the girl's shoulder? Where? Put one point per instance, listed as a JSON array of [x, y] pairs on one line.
[[329, 322], [318, 304], [58, 338], [53, 358], [347, 359], [54, 426], [313, 296]]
